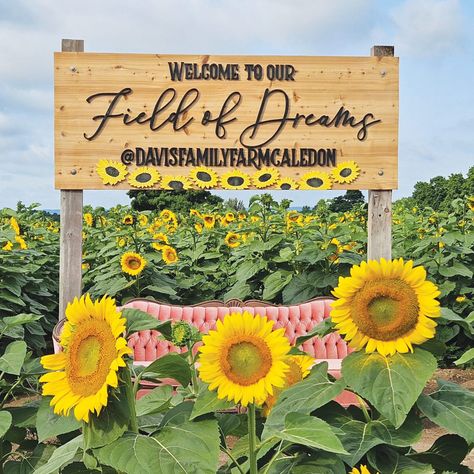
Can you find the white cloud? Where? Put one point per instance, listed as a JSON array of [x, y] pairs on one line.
[[427, 27]]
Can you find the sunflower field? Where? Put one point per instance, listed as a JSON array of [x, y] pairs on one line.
[[88, 418], [267, 252]]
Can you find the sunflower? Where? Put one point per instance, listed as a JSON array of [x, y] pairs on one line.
[[265, 177], [315, 180], [88, 219], [14, 225], [132, 263], [8, 246], [232, 240], [346, 172], [386, 306], [128, 219], [286, 183], [195, 213], [93, 351], [169, 254], [235, 180], [144, 177], [300, 366], [243, 358], [230, 217], [470, 202], [111, 172], [162, 240], [167, 215], [143, 220], [209, 221], [175, 183], [21, 242], [204, 177], [362, 470], [198, 228]]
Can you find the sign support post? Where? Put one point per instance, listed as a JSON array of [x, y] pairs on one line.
[[379, 223], [70, 243]]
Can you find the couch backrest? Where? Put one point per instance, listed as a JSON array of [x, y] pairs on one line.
[[297, 321]]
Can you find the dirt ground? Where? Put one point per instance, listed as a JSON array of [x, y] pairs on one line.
[[465, 378]]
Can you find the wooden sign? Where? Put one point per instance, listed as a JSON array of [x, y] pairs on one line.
[[144, 121]]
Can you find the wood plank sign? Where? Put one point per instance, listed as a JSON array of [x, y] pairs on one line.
[[146, 121]]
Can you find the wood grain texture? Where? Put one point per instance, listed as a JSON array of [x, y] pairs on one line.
[[322, 85], [70, 243], [379, 223]]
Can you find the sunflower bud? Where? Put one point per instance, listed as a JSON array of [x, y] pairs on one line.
[[181, 334]]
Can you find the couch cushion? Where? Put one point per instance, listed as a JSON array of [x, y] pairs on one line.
[[297, 321]]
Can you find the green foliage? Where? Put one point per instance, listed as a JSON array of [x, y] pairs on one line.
[[349, 201], [177, 201], [440, 192]]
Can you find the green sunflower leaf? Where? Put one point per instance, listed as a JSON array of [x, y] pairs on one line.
[[138, 320], [12, 359], [171, 366], [392, 384], [49, 425], [451, 407]]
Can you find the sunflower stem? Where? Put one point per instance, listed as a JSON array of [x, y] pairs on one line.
[[252, 438], [192, 366], [363, 407], [133, 425]]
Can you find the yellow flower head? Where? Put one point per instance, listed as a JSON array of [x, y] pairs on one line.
[[167, 215], [169, 254], [21, 241], [316, 180], [128, 219], [235, 180], [299, 368], [386, 306], [132, 263], [204, 177], [232, 240], [143, 220], [460, 299], [285, 184], [198, 228], [230, 217], [161, 240], [244, 359], [121, 242], [195, 213], [175, 183], [88, 219], [362, 470], [111, 172], [14, 225], [209, 221], [144, 177], [8, 246], [93, 351], [265, 177], [346, 172]]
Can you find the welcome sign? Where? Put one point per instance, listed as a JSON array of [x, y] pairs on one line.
[[136, 121]]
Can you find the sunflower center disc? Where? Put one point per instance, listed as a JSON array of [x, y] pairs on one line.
[[235, 181], [203, 176], [314, 182], [385, 309], [246, 362], [133, 263], [111, 171], [91, 351], [265, 177], [285, 186], [176, 185], [345, 172], [143, 177]]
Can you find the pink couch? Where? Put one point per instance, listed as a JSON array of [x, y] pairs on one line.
[[296, 319]]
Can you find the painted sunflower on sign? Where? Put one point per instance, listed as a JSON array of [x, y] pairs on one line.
[[346, 172], [175, 183], [286, 183], [235, 180], [265, 177], [111, 172], [315, 180], [204, 177], [244, 359], [144, 177], [132, 263], [386, 306], [93, 351]]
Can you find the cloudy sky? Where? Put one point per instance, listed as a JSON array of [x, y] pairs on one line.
[[434, 39]]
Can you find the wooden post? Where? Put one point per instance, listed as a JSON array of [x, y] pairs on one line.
[[70, 243], [379, 224]]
